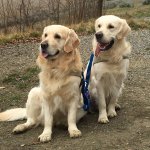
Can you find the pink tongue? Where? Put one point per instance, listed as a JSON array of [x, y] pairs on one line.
[[97, 51], [102, 46], [99, 48], [44, 55]]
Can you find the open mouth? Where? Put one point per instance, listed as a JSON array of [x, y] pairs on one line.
[[47, 55], [103, 46]]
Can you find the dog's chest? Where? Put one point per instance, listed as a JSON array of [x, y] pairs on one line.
[[110, 75], [110, 79], [103, 69], [51, 89], [58, 105], [51, 86]]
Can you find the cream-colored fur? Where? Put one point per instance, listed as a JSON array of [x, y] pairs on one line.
[[107, 77], [57, 99]]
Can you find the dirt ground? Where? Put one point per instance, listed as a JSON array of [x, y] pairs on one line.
[[130, 130]]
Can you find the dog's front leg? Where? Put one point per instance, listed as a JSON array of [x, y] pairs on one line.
[[102, 106], [72, 127], [48, 122], [111, 107]]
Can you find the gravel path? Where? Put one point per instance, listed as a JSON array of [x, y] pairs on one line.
[[130, 130]]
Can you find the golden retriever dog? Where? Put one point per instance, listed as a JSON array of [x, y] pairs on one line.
[[58, 94], [110, 64]]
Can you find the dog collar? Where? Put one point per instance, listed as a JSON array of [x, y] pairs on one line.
[[99, 60]]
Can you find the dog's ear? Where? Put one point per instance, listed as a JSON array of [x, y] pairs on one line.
[[124, 30], [72, 41]]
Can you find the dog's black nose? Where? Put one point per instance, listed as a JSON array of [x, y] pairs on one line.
[[44, 45], [99, 35]]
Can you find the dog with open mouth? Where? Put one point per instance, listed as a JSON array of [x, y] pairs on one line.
[[110, 65], [57, 99]]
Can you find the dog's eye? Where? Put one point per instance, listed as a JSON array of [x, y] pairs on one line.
[[110, 26], [57, 36], [99, 25], [45, 35]]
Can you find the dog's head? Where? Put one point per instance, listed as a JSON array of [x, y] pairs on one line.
[[109, 29], [57, 39]]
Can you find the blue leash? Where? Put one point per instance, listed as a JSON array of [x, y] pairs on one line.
[[85, 84]]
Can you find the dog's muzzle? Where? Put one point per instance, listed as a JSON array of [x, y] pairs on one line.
[[101, 44], [44, 51]]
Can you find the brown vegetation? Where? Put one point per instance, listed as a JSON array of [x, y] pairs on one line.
[[24, 19], [22, 15]]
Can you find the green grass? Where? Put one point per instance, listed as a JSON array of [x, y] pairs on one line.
[[15, 97], [17, 85], [34, 34], [28, 77]]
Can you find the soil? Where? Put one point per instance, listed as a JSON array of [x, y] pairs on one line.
[[130, 130]]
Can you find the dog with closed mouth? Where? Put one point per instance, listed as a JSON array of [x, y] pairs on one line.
[[57, 98], [110, 65]]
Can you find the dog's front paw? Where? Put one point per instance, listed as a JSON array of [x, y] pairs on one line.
[[44, 137], [103, 119], [112, 113], [117, 106], [75, 133], [19, 128]]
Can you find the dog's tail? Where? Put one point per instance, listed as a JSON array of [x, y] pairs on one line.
[[13, 114]]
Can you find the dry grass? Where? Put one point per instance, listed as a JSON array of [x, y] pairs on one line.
[[11, 38], [84, 27], [138, 17]]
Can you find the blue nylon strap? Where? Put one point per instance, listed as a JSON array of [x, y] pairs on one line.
[[85, 84], [89, 69]]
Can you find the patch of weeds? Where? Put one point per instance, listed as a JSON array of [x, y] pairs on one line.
[[125, 4], [22, 85], [136, 17], [136, 24], [29, 73], [12, 78], [34, 34], [90, 27], [80, 27], [141, 14], [23, 80], [4, 40], [17, 37], [15, 97], [84, 27], [9, 38]]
